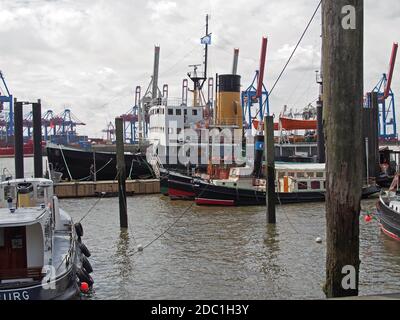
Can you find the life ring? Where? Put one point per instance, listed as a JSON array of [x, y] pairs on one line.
[[83, 276], [84, 249], [86, 265], [79, 229]]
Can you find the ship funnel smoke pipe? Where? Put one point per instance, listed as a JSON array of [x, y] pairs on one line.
[[229, 110], [155, 72], [18, 140], [235, 61], [37, 139], [258, 156]]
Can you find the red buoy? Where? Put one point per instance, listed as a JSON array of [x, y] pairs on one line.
[[84, 287], [368, 218]]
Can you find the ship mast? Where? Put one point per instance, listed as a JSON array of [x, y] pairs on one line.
[[198, 79]]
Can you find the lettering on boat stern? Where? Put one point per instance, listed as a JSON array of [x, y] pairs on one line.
[[15, 295], [200, 309]]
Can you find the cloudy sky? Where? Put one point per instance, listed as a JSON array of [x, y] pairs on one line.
[[89, 55]]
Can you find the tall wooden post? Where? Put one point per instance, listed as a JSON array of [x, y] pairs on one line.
[[374, 127], [123, 214], [37, 139], [320, 132], [18, 140], [270, 168], [343, 99]]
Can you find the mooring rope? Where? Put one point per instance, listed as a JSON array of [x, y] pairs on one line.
[[173, 224], [87, 177], [65, 161]]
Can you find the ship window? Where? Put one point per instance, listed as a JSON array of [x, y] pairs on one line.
[[162, 111], [281, 175], [291, 174], [302, 185], [320, 174], [194, 112], [170, 112], [1, 237], [310, 174], [178, 130], [178, 112], [185, 112], [158, 111], [300, 174], [315, 185], [235, 184]]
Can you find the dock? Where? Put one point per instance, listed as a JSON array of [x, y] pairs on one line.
[[83, 189]]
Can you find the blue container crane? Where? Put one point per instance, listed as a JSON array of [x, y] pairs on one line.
[[7, 97], [386, 102]]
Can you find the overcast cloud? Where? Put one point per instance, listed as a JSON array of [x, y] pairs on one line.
[[90, 55]]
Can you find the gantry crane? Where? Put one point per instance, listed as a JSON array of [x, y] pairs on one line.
[[386, 102]]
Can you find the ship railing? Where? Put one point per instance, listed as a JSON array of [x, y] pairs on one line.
[[172, 102]]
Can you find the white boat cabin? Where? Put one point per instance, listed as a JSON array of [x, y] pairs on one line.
[[296, 177], [26, 226], [300, 177], [169, 118]]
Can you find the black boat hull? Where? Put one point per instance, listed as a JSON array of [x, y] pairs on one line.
[[180, 187], [389, 220], [210, 194], [78, 164]]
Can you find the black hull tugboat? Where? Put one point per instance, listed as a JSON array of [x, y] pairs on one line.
[[42, 256], [180, 186], [296, 183], [388, 210], [76, 164]]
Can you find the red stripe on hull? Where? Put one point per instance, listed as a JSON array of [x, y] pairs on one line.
[[214, 202], [390, 234], [175, 193]]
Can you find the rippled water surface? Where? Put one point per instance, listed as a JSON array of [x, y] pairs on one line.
[[221, 253]]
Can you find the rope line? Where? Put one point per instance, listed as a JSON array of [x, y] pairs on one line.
[[65, 161], [173, 224]]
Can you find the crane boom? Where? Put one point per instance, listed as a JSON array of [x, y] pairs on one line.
[[262, 66], [391, 69]]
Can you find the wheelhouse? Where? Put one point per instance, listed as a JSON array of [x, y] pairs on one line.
[[25, 229]]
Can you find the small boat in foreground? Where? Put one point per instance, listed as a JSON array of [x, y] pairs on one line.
[[388, 210], [42, 256]]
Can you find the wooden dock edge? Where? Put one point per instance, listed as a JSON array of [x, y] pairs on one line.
[[83, 189]]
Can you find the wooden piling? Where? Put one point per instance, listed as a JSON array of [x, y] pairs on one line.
[[370, 132], [119, 134], [320, 132], [270, 168], [374, 128], [18, 140], [343, 100], [37, 139]]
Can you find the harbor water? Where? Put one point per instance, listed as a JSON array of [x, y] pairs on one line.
[[220, 253]]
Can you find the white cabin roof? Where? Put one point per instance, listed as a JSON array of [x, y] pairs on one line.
[[36, 181], [21, 216], [300, 166]]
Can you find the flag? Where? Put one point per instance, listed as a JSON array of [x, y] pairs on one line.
[[206, 39]]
